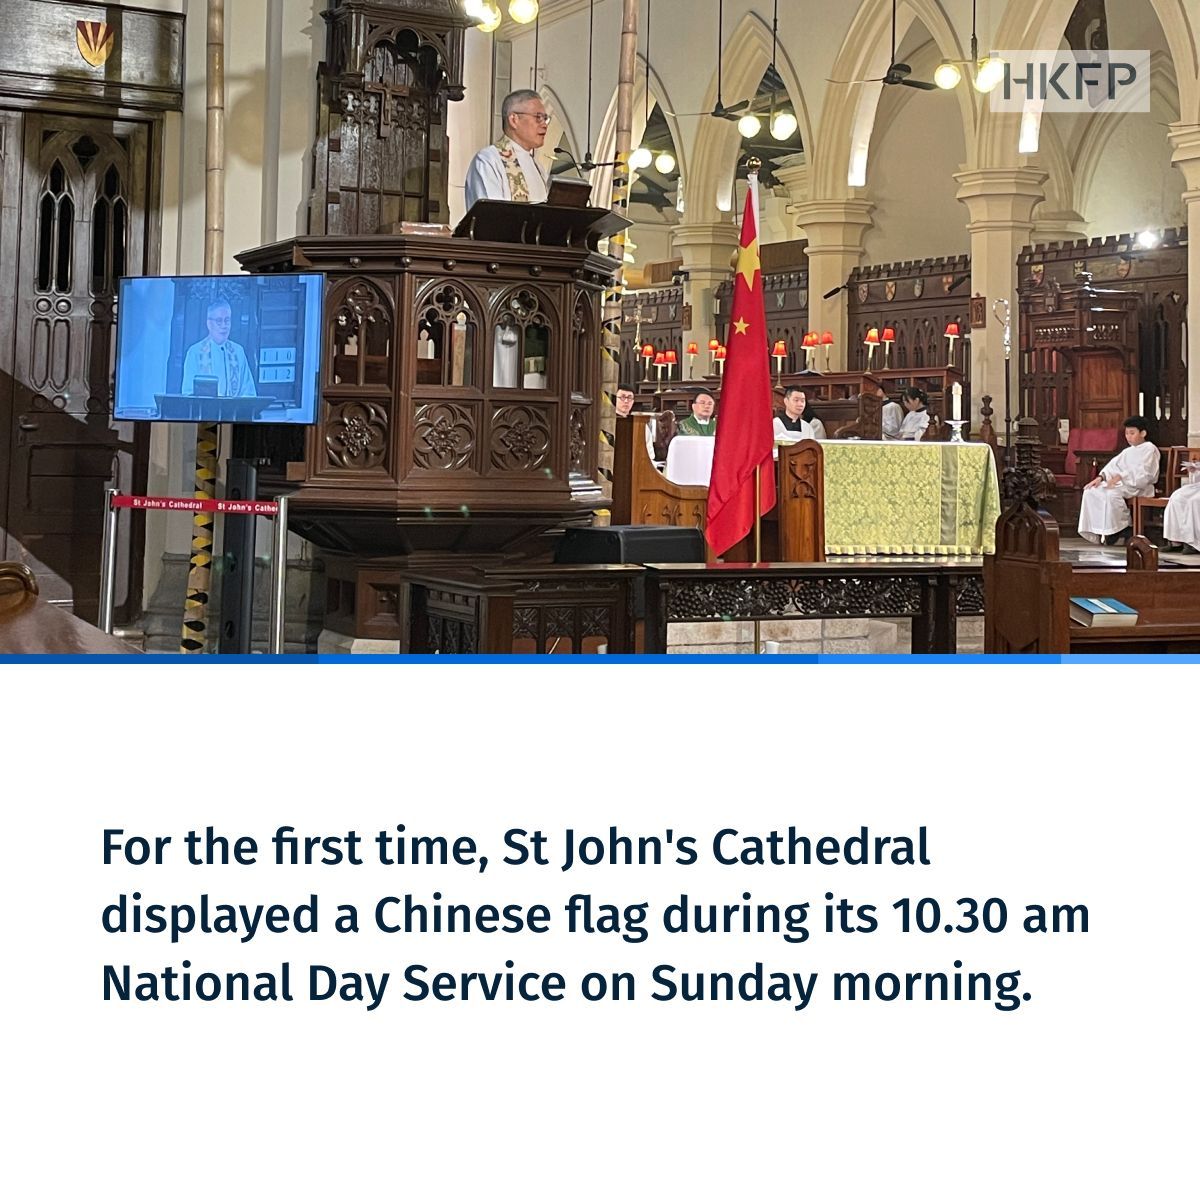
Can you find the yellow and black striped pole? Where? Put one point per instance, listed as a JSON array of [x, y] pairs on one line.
[[195, 605], [611, 339]]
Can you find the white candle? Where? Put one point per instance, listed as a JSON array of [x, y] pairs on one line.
[[956, 392], [1142, 403]]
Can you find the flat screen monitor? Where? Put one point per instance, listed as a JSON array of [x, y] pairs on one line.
[[238, 349]]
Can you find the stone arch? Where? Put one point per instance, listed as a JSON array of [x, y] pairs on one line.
[[746, 57], [1164, 87], [842, 148], [1035, 24], [560, 122], [606, 142], [1061, 202]]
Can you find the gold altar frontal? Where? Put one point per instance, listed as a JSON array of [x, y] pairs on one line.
[[884, 498]]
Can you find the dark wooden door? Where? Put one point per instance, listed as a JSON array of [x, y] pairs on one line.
[[1100, 392], [84, 223]]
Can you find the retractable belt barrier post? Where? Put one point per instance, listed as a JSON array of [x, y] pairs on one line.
[[248, 508]]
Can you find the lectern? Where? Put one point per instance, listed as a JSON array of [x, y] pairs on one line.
[[460, 395]]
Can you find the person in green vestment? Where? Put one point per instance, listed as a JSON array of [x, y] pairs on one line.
[[701, 423]]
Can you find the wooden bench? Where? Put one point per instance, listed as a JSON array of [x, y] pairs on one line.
[[1028, 590]]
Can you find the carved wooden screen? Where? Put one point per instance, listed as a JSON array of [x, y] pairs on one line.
[[918, 300], [652, 317], [1159, 278], [785, 295]]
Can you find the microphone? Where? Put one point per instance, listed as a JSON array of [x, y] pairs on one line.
[[840, 288], [960, 281]]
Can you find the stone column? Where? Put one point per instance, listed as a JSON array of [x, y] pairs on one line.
[[706, 251], [1000, 203], [1185, 142], [835, 230]]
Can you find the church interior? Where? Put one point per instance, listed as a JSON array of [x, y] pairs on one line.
[[430, 308]]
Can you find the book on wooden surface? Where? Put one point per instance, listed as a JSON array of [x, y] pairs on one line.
[[1105, 611]]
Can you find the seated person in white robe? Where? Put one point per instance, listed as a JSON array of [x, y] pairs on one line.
[[891, 420], [794, 424], [916, 416], [1181, 523], [1104, 508]]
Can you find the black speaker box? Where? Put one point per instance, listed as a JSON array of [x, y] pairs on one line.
[[631, 544]]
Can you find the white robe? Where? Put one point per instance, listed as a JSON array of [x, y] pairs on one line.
[[892, 419], [1103, 509], [1182, 520], [486, 177], [914, 425], [784, 434]]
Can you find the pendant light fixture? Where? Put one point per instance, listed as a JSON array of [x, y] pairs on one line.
[[782, 123], [640, 159], [523, 11], [986, 72], [490, 16]]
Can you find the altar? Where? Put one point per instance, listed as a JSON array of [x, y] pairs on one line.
[[932, 498], [911, 498]]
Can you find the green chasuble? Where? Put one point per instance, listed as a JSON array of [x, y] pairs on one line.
[[690, 427]]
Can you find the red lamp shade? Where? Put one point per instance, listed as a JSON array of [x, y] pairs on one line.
[[647, 351], [714, 345], [660, 359], [720, 353], [693, 348], [889, 335], [780, 350], [811, 339], [952, 330], [827, 338], [672, 358], [872, 338]]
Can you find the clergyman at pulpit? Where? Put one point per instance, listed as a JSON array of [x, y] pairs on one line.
[[217, 358], [509, 170]]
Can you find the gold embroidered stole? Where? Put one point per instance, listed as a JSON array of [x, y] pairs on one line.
[[518, 188]]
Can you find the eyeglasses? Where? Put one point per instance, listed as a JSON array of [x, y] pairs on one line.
[[540, 118]]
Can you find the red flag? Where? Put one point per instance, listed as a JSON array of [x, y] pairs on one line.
[[745, 436]]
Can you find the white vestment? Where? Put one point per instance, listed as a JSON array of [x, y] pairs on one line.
[[487, 179], [1103, 510], [1182, 520], [893, 418], [805, 433], [914, 425]]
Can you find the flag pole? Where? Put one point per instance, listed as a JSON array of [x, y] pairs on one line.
[[752, 179], [757, 546]]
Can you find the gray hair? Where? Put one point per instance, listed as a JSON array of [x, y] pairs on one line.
[[513, 101]]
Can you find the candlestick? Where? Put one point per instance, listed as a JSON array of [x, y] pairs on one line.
[[827, 342], [956, 407], [889, 337]]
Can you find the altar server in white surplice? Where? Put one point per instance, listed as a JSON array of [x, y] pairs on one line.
[[1134, 472], [1182, 520]]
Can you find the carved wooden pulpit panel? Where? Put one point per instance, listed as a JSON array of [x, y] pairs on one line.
[[381, 156]]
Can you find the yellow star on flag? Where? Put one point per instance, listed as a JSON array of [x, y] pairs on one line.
[[740, 326], [748, 262]]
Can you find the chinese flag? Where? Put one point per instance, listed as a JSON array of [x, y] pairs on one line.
[[745, 437]]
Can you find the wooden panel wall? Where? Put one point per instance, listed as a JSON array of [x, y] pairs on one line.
[[1159, 278]]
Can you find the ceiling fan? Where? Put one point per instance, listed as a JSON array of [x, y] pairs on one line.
[[898, 73], [727, 112]]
